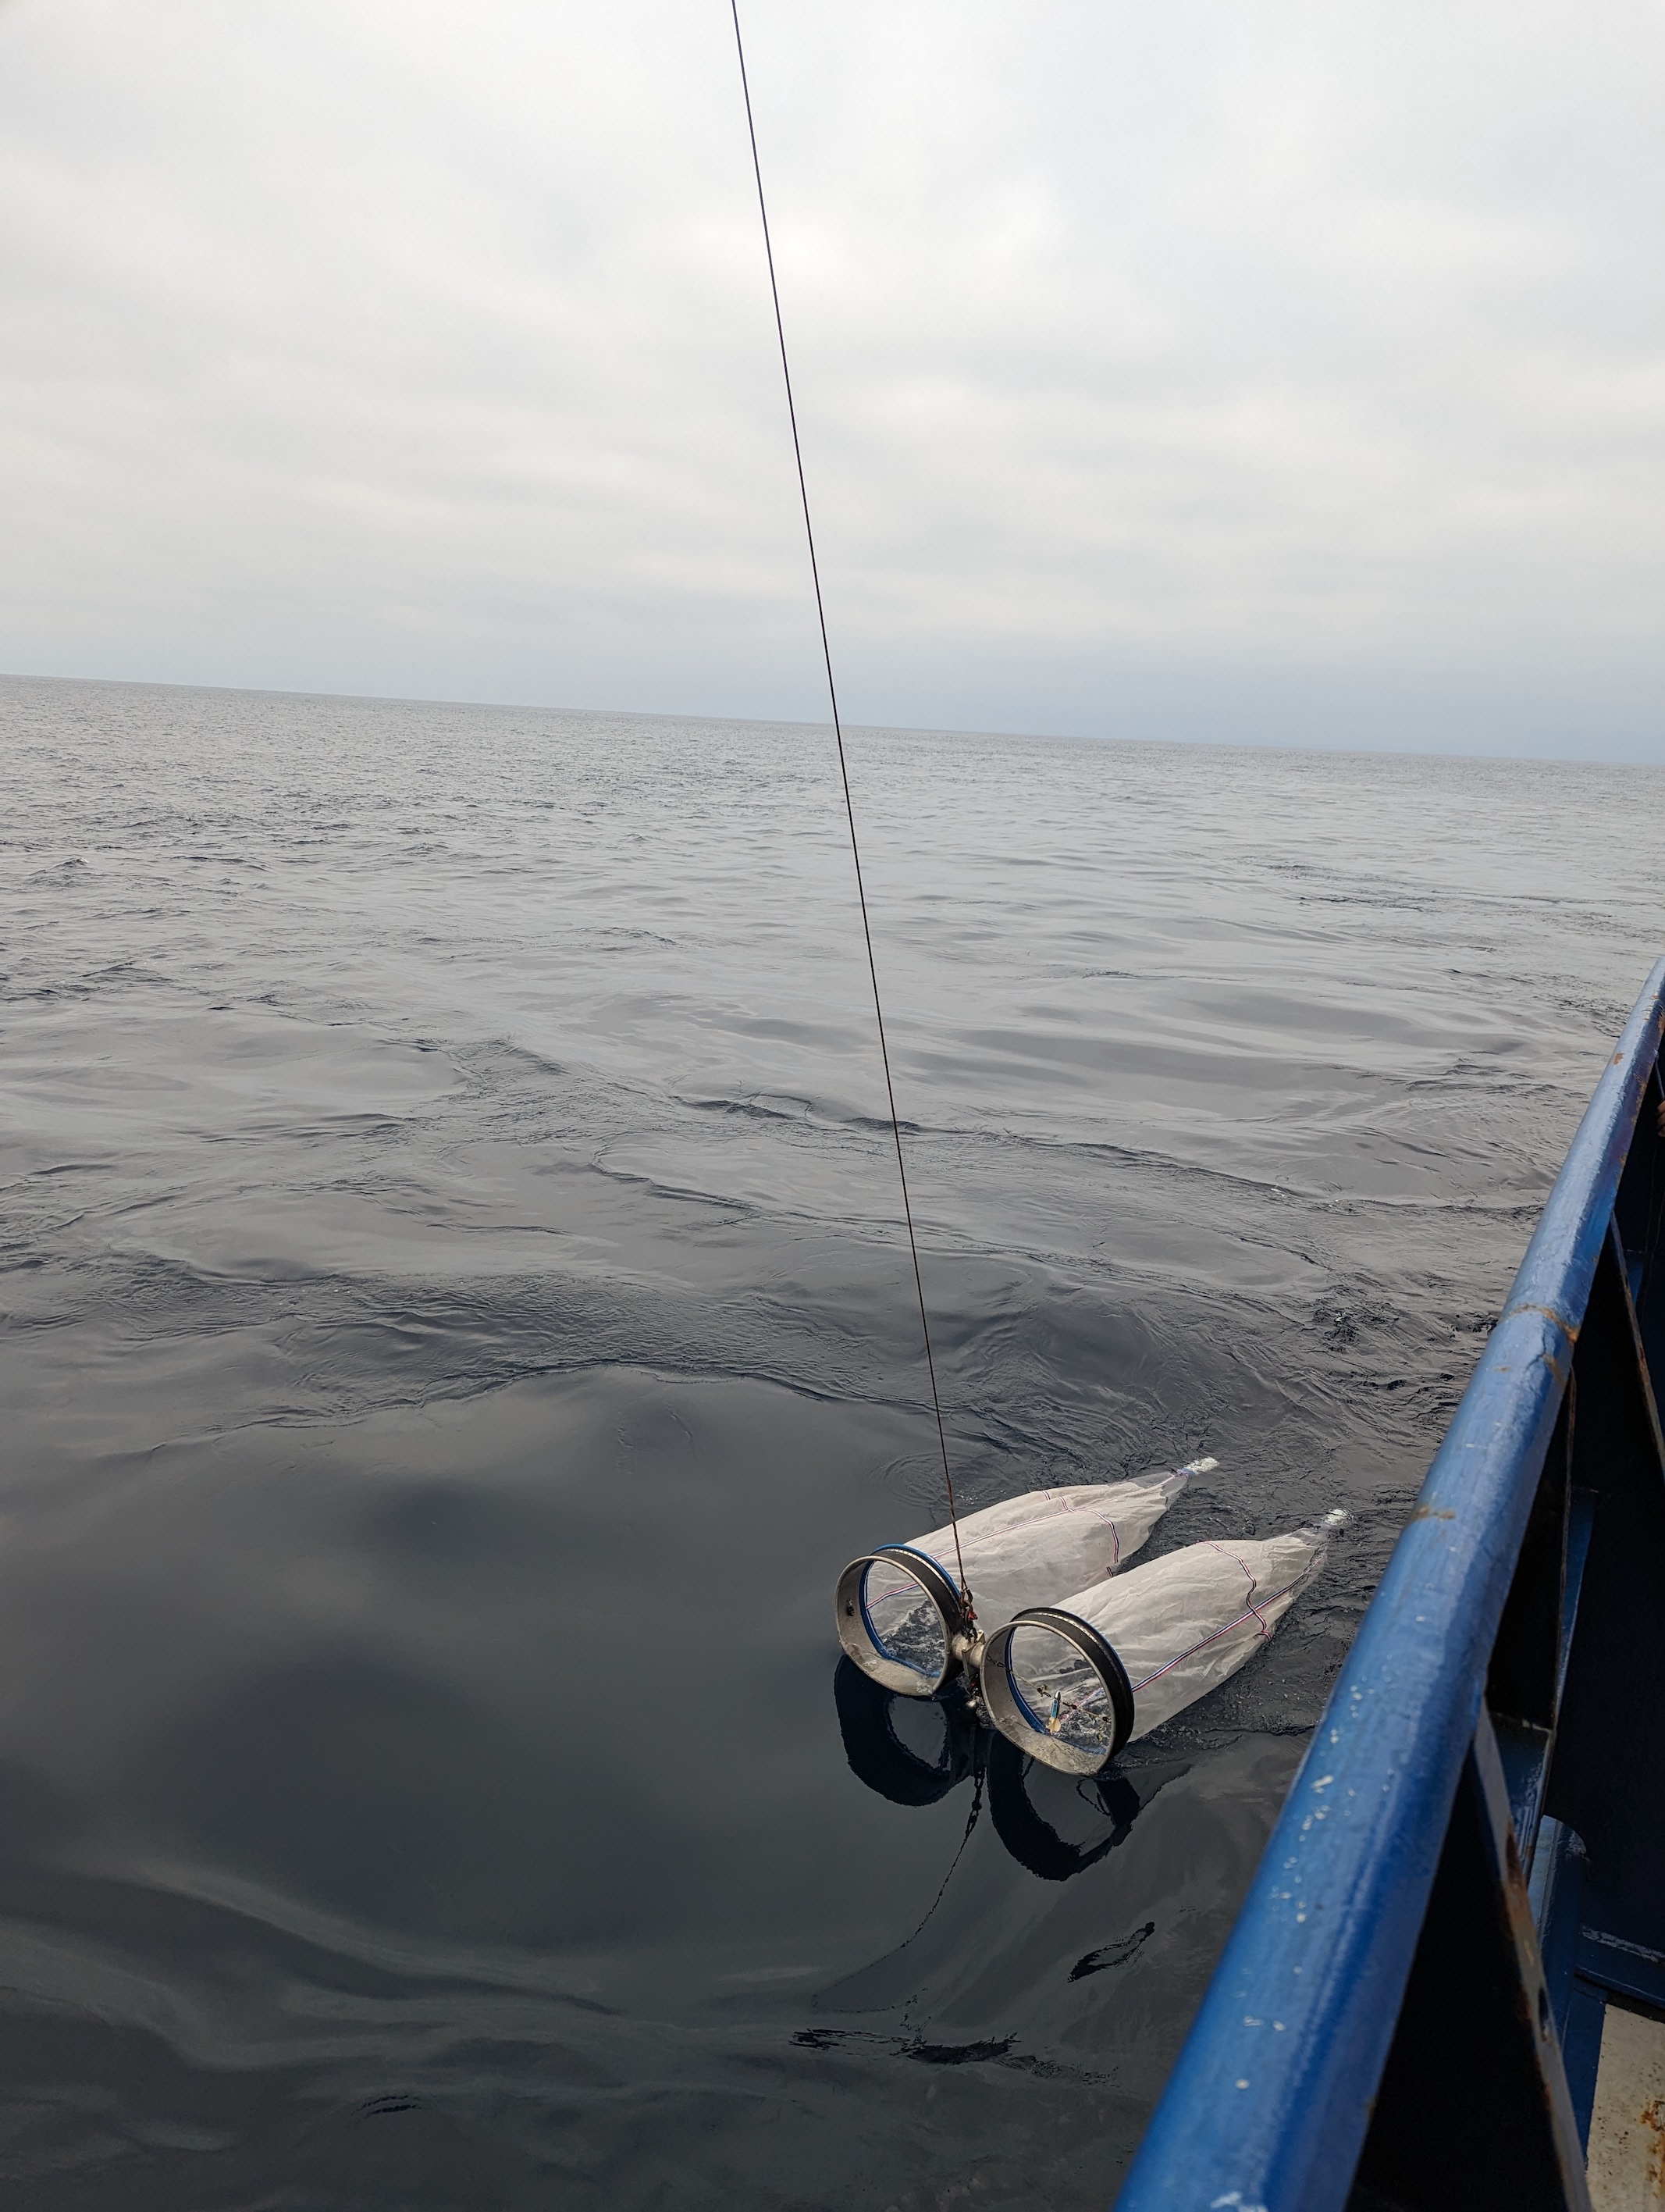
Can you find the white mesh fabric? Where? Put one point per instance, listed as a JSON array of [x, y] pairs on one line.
[[1027, 1551], [1181, 1624]]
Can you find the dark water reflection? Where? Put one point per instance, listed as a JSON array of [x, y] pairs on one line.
[[915, 1750], [457, 1332]]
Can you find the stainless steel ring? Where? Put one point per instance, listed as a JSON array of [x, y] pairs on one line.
[[862, 1641], [1011, 1714]]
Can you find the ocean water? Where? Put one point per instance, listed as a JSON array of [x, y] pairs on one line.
[[457, 1327]]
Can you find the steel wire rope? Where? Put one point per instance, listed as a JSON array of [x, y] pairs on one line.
[[849, 813]]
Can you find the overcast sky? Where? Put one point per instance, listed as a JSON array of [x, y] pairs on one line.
[[1285, 371]]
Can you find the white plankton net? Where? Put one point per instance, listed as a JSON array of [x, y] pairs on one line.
[[1071, 1682]]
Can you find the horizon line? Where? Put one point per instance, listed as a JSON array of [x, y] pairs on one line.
[[1292, 746]]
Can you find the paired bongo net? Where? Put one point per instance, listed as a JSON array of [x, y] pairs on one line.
[[901, 1611], [1069, 1668]]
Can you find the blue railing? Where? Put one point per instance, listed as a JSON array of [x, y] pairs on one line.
[[1408, 1831]]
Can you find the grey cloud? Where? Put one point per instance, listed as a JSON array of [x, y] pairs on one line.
[[1286, 373]]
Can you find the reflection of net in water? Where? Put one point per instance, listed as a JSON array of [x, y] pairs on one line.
[[902, 1620], [1059, 1690], [920, 1726]]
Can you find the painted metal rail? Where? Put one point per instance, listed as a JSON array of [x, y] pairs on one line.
[[1470, 1865]]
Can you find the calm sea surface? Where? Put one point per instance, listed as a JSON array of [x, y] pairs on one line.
[[457, 1329]]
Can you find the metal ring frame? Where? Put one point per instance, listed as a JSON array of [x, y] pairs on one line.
[[1010, 1712], [861, 1640]]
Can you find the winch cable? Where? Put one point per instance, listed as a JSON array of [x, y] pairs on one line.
[[850, 814]]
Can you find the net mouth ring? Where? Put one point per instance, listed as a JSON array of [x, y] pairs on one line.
[[1011, 1713], [862, 1641]]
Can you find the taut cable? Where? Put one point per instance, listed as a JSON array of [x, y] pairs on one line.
[[849, 813]]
